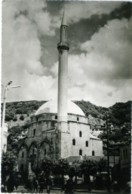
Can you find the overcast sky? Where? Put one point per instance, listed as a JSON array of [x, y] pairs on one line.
[[100, 56]]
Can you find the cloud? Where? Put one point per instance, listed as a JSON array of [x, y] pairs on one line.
[[23, 22], [102, 74], [110, 51], [76, 11]]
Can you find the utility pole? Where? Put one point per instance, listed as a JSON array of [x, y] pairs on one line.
[[4, 128], [108, 157]]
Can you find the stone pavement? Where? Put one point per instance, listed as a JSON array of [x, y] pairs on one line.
[[21, 189]]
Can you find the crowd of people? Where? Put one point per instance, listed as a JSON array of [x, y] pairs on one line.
[[35, 184]]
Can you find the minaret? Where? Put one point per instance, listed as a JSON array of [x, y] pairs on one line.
[[63, 135], [63, 48]]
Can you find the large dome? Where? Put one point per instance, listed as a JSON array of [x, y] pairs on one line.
[[51, 107]]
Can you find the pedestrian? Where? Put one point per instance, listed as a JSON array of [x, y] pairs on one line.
[[10, 184], [35, 184], [69, 186], [48, 185], [41, 183]]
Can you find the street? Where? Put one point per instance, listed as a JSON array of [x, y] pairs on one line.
[[21, 189]]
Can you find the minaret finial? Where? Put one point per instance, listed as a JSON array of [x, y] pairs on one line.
[[64, 21]]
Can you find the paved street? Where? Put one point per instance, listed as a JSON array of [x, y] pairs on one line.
[[21, 189]]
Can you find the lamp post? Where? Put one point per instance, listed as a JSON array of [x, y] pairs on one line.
[[3, 114], [108, 158]]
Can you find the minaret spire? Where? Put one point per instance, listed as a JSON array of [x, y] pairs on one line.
[[63, 48], [64, 21], [63, 132]]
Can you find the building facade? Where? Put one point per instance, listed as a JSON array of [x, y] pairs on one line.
[[59, 128], [44, 141]]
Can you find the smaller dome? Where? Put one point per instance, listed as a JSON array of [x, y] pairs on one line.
[[51, 107]]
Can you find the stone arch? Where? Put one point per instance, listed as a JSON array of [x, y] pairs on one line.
[[33, 155], [22, 145], [45, 150], [33, 143], [23, 159]]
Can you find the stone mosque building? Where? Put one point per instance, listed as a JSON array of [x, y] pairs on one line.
[[59, 128]]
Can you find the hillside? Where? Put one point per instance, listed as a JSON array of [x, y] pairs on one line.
[[17, 113]]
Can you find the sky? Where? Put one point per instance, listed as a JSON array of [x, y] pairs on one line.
[[100, 56]]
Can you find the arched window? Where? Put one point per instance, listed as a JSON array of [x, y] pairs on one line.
[[34, 132], [23, 154], [73, 142], [86, 143], [55, 116], [77, 118], [80, 152], [45, 152], [80, 133], [22, 168], [93, 153]]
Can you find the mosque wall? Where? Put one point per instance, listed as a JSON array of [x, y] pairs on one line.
[[79, 139], [96, 146]]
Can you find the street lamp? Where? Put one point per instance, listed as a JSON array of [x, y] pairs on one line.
[[108, 157], [3, 113]]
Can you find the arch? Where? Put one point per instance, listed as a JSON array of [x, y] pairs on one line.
[[33, 143], [45, 140], [23, 144], [45, 150]]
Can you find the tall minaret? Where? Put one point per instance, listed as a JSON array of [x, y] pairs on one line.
[[63, 135], [63, 48]]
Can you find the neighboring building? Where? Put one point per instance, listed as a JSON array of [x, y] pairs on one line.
[[58, 129], [125, 162]]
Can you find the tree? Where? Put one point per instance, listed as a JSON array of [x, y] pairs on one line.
[[8, 164]]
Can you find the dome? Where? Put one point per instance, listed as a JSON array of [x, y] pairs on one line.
[[51, 107]]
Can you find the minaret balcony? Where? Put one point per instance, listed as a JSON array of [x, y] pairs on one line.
[[63, 46]]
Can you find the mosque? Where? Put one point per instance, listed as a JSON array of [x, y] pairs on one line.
[[59, 128]]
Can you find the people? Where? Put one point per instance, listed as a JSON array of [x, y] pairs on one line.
[[10, 183], [48, 185], [35, 184], [69, 186]]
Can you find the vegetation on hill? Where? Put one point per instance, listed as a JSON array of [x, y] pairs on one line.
[[91, 109], [21, 108]]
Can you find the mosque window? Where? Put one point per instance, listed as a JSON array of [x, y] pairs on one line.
[[34, 132], [22, 154], [45, 151], [56, 117], [77, 118], [80, 133], [93, 153], [22, 168], [73, 142], [86, 143], [80, 152]]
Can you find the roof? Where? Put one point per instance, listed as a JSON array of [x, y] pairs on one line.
[[51, 107], [93, 137]]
